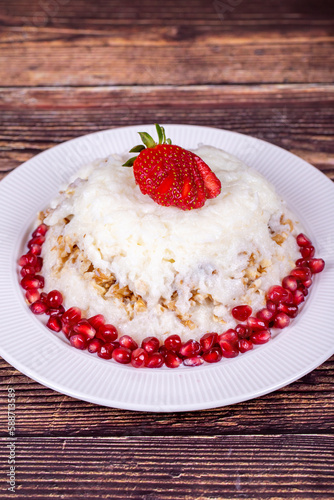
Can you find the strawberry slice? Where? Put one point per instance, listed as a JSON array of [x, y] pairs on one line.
[[171, 175]]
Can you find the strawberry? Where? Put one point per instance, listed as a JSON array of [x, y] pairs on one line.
[[171, 175]]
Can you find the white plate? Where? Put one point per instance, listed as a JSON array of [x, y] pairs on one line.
[[45, 357]]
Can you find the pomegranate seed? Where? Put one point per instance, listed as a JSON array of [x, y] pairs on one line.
[[289, 299], [54, 298], [54, 323], [43, 297], [105, 350], [94, 345], [303, 289], [242, 331], [28, 258], [29, 282], [32, 295], [271, 306], [38, 240], [79, 341], [55, 311], [281, 320], [85, 328], [97, 321], [241, 313], [261, 337], [277, 294], [38, 307], [139, 358], [128, 342], [172, 360], [67, 329], [194, 361], [190, 348], [245, 345], [307, 252], [316, 265], [39, 264], [72, 315], [150, 344], [230, 335], [266, 316], [208, 341], [290, 283], [36, 249], [298, 297], [228, 350], [122, 355], [163, 350], [107, 333], [27, 270], [255, 324], [212, 356], [301, 263], [41, 230], [307, 283], [290, 310], [173, 343], [303, 240], [155, 360], [301, 273]]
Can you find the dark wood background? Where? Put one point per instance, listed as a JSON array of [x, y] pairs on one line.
[[263, 68]]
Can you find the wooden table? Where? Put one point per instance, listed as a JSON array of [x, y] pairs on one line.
[[263, 68]]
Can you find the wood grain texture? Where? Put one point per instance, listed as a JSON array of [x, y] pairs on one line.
[[296, 117], [191, 468]]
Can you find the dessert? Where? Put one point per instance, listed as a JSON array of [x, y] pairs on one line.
[[188, 257]]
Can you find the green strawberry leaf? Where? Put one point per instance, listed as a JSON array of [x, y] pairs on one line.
[[137, 149], [130, 162], [147, 139]]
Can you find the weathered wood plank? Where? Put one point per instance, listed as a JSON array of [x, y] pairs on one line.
[[296, 117], [191, 468], [305, 406]]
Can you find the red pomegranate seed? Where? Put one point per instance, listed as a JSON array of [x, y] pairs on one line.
[[105, 350], [32, 295], [208, 341], [277, 294], [150, 344], [107, 333], [307, 283], [302, 288], [316, 265], [230, 335], [241, 313], [172, 360], [38, 240], [290, 283], [85, 328], [55, 311], [301, 263], [212, 356], [139, 358], [72, 315], [289, 299], [291, 311], [122, 355], [190, 348], [54, 323], [173, 343], [303, 240], [128, 342], [36, 249], [194, 361], [28, 258], [298, 297], [78, 341], [163, 350], [38, 307], [266, 316], [41, 230], [155, 360], [67, 329], [261, 337], [97, 321], [94, 345], [54, 298], [27, 270], [271, 306], [301, 273], [281, 320], [242, 331], [245, 345], [39, 264], [29, 282], [255, 324], [43, 297], [228, 350], [307, 252]]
